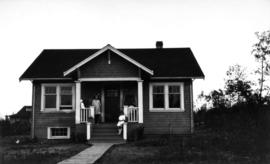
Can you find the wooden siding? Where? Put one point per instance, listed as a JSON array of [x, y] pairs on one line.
[[118, 67], [43, 120], [154, 122], [167, 122]]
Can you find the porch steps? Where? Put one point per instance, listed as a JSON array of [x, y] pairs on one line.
[[106, 132]]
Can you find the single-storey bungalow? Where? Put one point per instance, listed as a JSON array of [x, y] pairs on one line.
[[152, 86]]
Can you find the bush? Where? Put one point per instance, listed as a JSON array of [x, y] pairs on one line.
[[21, 127], [5, 128], [80, 137], [240, 116], [18, 128], [135, 131]]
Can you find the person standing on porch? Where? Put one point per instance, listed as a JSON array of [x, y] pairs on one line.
[[82, 104], [97, 105]]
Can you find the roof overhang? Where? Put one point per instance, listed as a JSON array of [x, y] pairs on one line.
[[180, 77], [108, 47], [65, 78]]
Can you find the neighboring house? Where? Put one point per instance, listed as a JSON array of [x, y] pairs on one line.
[[157, 82], [22, 115]]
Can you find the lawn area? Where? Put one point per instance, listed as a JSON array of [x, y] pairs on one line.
[[27, 152], [204, 147]]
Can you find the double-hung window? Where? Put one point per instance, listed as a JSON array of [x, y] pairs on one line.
[[158, 96], [65, 97], [50, 96], [166, 97], [57, 97]]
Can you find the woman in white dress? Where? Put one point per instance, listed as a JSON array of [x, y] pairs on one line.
[[121, 121], [97, 105]]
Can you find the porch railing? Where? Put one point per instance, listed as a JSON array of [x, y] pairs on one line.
[[86, 113], [131, 113]]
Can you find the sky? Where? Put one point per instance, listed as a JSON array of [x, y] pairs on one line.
[[220, 34]]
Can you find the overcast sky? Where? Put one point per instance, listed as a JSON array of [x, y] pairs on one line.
[[220, 33]]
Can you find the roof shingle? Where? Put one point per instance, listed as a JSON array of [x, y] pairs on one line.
[[165, 62]]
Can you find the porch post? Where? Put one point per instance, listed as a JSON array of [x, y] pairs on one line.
[[140, 100], [77, 101], [125, 131]]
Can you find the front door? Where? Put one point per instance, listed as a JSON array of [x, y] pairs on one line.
[[112, 104]]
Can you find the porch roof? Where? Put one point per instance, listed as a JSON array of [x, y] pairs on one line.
[[165, 62]]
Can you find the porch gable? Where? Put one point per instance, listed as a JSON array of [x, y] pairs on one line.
[[108, 65], [110, 49]]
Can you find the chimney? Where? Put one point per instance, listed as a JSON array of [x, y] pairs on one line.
[[159, 44]]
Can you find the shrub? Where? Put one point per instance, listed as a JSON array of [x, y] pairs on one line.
[[80, 137], [240, 116], [18, 128], [5, 128], [135, 131]]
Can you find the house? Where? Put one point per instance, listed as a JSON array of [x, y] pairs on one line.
[[24, 114], [153, 86]]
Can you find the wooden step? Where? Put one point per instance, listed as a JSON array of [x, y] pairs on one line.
[[106, 132], [105, 125], [107, 141]]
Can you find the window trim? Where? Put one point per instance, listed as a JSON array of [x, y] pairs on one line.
[[58, 94], [49, 134], [166, 97]]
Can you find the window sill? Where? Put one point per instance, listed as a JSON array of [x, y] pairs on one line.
[[56, 111], [166, 110]]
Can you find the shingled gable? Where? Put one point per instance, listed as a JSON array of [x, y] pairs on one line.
[[108, 47]]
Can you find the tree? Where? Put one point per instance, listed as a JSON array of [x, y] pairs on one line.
[[237, 87], [261, 52], [217, 98]]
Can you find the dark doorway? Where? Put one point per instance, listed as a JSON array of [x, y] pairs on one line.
[[112, 104]]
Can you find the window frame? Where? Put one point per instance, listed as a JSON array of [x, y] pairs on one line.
[[65, 94], [44, 99], [58, 97], [49, 133], [166, 97]]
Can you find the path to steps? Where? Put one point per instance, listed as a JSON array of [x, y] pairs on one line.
[[89, 155]]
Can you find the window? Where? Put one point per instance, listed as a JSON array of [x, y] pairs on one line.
[[65, 97], [158, 97], [50, 97], [166, 97], [57, 97], [174, 96], [58, 132]]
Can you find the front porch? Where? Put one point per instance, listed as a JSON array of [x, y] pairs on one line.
[[115, 97]]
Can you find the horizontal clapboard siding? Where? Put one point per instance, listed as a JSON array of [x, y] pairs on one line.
[[154, 122], [118, 67], [44, 120], [167, 122]]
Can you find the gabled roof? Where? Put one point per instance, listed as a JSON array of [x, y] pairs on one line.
[[108, 47], [164, 62], [24, 112]]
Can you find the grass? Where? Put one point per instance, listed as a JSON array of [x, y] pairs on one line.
[[36, 152], [205, 146]]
